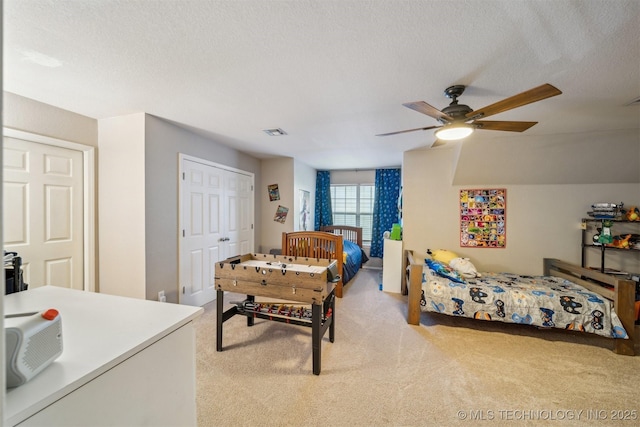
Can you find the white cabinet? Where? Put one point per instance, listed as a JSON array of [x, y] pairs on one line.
[[392, 266], [125, 362]]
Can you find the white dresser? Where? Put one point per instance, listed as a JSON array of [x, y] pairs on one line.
[[392, 266], [125, 362]]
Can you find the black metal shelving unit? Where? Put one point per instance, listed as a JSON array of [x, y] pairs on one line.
[[587, 241]]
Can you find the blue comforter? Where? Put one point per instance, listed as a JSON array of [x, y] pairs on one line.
[[543, 301], [354, 260]]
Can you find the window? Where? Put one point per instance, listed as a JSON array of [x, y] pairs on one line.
[[353, 205]]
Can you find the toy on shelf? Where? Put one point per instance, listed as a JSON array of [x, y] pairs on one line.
[[622, 242], [633, 214], [605, 236], [606, 210]]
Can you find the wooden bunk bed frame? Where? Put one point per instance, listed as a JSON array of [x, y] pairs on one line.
[[325, 244], [620, 291]]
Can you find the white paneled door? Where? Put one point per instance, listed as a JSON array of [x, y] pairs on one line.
[[43, 211], [216, 222]]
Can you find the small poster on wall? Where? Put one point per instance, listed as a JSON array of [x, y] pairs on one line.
[[305, 210], [483, 215], [274, 192], [281, 214]]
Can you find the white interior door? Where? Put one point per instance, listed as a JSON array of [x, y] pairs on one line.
[[43, 211], [216, 221]]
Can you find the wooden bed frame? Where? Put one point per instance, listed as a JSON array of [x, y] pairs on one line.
[[620, 291], [350, 233], [325, 244]]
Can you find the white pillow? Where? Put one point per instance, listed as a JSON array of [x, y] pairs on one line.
[[465, 267]]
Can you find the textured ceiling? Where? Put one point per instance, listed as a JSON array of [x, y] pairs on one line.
[[332, 74]]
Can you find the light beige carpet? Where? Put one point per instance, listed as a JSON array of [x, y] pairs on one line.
[[381, 371]]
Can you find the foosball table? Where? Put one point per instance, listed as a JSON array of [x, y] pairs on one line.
[[301, 280]]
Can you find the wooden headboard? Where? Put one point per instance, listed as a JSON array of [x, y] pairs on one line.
[[312, 244], [325, 244], [316, 244]]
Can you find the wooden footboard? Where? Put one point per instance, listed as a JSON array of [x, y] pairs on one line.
[[620, 291], [315, 244], [413, 283]]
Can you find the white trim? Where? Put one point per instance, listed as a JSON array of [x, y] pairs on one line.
[[182, 156], [88, 167]]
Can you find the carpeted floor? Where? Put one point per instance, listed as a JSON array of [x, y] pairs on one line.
[[381, 371]]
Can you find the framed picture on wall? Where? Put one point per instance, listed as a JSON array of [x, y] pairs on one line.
[[305, 210], [274, 192], [483, 218], [281, 214]]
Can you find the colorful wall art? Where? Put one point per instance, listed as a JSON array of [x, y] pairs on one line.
[[483, 216]]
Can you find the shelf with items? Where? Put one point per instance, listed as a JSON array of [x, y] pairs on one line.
[[608, 235]]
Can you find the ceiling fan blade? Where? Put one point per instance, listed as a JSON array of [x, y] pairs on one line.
[[408, 130], [507, 126], [424, 108], [532, 95]]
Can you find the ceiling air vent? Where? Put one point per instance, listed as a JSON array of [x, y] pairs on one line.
[[274, 132]]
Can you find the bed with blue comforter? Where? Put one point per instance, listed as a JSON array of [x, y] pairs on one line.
[[567, 297], [353, 261], [342, 243]]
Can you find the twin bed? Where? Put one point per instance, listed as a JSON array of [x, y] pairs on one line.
[[566, 297], [340, 242]]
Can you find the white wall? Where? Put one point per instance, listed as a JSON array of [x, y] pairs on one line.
[[35, 117], [353, 177], [121, 206], [276, 171], [291, 176], [603, 157], [542, 220]]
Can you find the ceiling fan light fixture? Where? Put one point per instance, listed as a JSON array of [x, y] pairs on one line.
[[454, 132]]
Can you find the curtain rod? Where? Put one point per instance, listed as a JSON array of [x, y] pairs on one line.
[[364, 170]]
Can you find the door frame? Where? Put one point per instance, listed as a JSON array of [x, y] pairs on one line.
[[181, 158], [88, 184]]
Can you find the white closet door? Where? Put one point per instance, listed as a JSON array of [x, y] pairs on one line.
[[216, 223], [43, 211], [245, 213], [202, 242], [239, 214]]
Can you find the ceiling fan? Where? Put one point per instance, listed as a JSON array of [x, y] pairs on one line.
[[459, 121]]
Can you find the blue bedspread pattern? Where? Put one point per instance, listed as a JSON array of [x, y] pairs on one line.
[[543, 301]]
